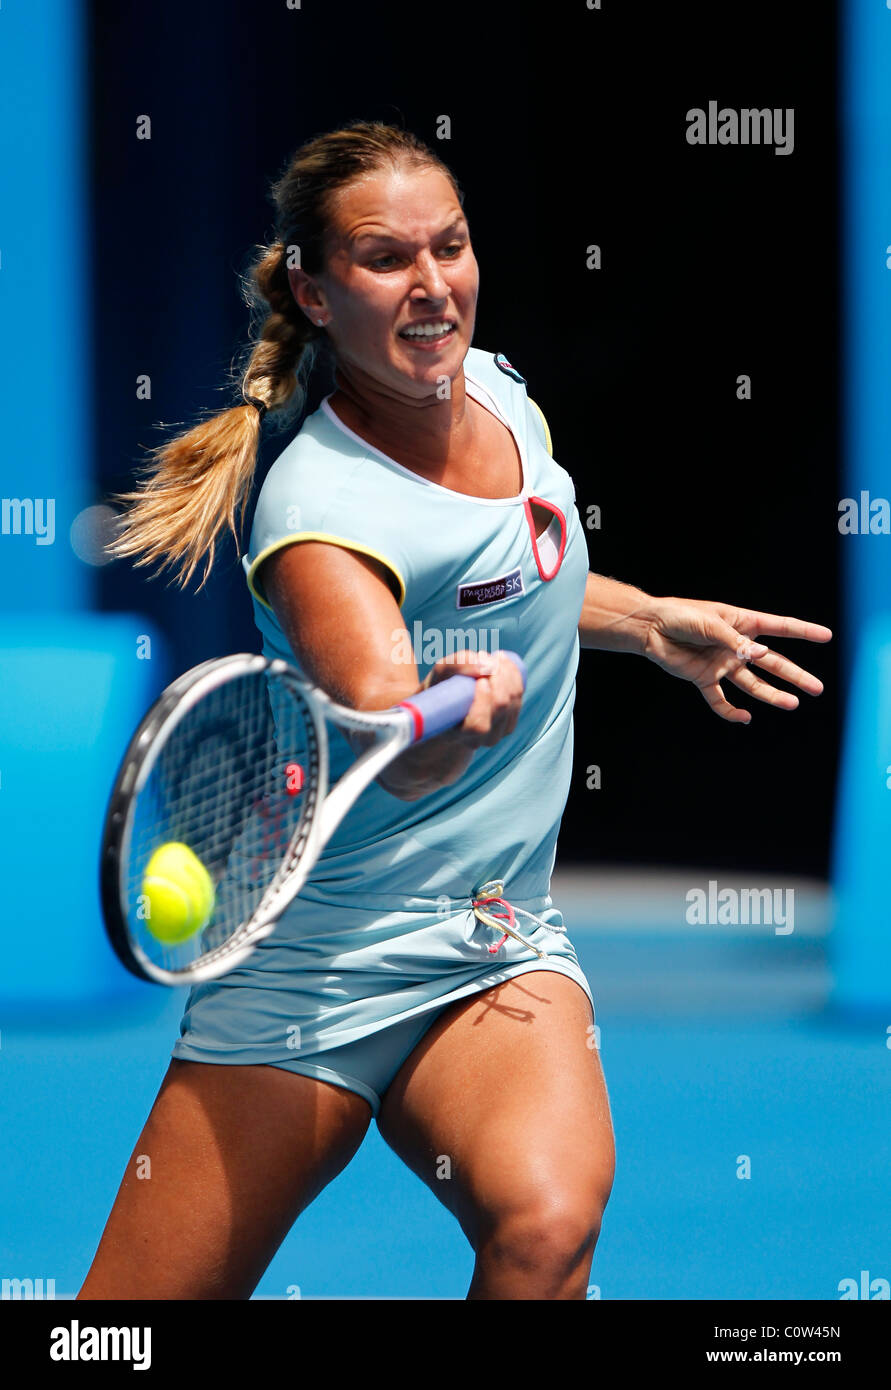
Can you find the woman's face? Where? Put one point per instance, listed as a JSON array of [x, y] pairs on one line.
[[399, 256]]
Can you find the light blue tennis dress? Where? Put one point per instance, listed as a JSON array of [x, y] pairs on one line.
[[383, 935]]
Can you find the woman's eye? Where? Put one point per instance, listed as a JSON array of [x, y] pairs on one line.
[[450, 252]]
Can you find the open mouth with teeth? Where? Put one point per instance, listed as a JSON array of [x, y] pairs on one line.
[[429, 334]]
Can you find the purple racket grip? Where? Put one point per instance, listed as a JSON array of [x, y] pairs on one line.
[[447, 704]]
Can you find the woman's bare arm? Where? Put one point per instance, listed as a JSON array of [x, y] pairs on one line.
[[344, 625], [699, 641]]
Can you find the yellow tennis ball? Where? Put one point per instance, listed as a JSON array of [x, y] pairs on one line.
[[179, 894]]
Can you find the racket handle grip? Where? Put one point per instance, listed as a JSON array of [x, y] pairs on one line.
[[445, 705]]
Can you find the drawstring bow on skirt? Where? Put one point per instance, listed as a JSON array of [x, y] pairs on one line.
[[493, 909]]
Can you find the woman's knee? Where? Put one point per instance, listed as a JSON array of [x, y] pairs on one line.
[[549, 1236]]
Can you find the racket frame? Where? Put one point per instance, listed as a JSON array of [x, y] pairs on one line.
[[393, 730]]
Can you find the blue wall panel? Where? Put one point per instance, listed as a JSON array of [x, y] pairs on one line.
[[74, 689], [861, 940], [45, 451]]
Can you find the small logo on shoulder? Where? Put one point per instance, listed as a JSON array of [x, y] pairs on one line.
[[491, 590], [502, 362]]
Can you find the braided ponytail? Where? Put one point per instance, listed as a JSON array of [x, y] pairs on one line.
[[199, 482]]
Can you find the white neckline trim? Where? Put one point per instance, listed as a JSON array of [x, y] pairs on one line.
[[476, 390]]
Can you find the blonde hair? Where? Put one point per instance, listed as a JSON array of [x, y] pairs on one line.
[[199, 482]]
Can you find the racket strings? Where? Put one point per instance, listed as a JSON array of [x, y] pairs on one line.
[[236, 782]]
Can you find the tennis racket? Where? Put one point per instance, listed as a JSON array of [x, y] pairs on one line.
[[232, 762]]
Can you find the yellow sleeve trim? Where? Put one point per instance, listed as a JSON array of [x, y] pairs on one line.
[[545, 423], [254, 587]]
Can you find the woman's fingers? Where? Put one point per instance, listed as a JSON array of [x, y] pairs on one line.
[[776, 625], [748, 626], [463, 663], [747, 679], [748, 650], [786, 670], [709, 629], [717, 701], [497, 700], [731, 648], [762, 690]]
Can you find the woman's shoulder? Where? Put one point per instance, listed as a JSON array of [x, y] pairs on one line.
[[317, 439], [314, 464], [325, 484], [496, 372], [498, 375]]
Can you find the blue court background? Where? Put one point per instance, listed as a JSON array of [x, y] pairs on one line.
[[713, 1047], [735, 1054]]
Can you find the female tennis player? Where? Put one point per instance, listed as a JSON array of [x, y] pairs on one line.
[[416, 522]]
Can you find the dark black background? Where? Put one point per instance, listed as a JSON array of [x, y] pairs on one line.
[[568, 128]]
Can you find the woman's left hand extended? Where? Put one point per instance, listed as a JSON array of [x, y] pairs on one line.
[[706, 642]]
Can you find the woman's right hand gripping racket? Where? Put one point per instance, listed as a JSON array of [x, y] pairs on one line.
[[222, 805]]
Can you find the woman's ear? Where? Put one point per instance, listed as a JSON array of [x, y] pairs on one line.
[[305, 293]]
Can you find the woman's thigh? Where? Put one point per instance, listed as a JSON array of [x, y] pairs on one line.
[[502, 1108], [227, 1160]]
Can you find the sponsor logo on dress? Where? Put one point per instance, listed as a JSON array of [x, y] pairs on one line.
[[491, 590], [502, 362]]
